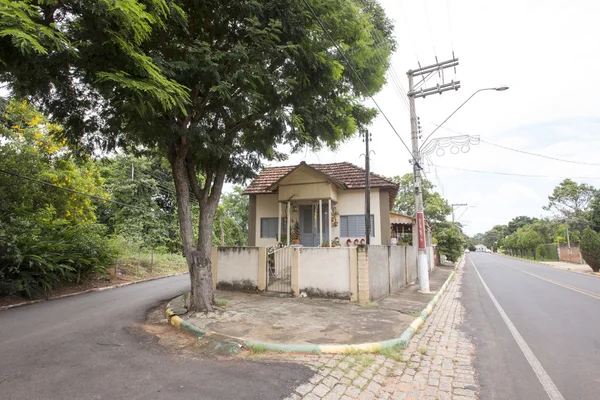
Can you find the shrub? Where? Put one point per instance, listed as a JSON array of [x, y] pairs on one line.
[[36, 255], [590, 248]]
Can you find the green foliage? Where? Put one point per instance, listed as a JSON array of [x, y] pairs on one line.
[[295, 235], [47, 235], [519, 222], [450, 243], [572, 202], [547, 252], [472, 247], [590, 248], [231, 219], [595, 213], [436, 207]]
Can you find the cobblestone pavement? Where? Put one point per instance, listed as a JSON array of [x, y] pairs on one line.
[[435, 366]]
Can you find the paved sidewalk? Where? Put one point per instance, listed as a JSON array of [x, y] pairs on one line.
[[436, 365], [568, 266]]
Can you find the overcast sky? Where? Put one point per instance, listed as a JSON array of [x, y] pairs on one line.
[[547, 51]]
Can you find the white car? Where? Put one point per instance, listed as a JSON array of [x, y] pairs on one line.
[[467, 251]]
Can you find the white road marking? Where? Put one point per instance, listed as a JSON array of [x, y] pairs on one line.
[[541, 373]]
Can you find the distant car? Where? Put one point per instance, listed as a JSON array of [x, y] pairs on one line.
[[467, 251]]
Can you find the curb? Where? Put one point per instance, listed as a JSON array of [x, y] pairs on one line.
[[591, 273], [370, 347], [100, 289]]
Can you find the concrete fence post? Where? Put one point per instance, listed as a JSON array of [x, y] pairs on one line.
[[364, 294], [295, 271], [262, 268], [390, 277], [214, 265], [352, 253]]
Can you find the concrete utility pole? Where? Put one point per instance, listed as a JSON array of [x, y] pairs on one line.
[[456, 205], [422, 263], [367, 139]]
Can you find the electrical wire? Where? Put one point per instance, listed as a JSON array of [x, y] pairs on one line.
[[540, 155], [515, 174], [355, 73], [430, 30], [15, 174]]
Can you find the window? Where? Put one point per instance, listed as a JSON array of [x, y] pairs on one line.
[[354, 226], [268, 227]]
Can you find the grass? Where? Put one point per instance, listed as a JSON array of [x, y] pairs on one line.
[[392, 352], [221, 302], [257, 349], [370, 304], [422, 350]]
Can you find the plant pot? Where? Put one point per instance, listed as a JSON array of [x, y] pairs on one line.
[[296, 241], [356, 242], [348, 242]]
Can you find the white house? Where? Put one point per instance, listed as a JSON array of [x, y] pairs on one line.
[[306, 193]]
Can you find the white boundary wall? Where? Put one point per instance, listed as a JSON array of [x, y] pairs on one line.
[[324, 271]]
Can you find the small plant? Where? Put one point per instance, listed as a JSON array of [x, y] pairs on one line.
[[221, 302], [392, 352], [325, 243], [282, 241], [423, 350], [334, 216], [184, 299], [257, 349], [336, 242], [370, 304], [295, 236]]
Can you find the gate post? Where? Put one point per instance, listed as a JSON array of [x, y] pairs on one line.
[[364, 294], [262, 268], [295, 284]]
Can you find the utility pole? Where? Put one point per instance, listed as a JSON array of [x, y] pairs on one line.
[[456, 206], [422, 263], [367, 139]]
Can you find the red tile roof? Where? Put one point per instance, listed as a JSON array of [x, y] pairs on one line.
[[346, 174]]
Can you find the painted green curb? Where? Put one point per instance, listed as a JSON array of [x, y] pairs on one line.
[[402, 341]]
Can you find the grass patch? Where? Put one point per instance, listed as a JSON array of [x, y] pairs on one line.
[[395, 353], [221, 302], [422, 350], [370, 304], [257, 349]]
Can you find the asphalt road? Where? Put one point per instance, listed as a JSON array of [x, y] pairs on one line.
[[88, 347], [555, 313]]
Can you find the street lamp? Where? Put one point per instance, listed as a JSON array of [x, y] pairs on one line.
[[497, 89]]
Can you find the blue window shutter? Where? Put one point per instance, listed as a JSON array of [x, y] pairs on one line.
[[354, 226]]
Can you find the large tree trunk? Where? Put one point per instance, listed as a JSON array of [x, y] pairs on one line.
[[198, 259]]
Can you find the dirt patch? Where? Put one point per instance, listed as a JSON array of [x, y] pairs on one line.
[[212, 346]]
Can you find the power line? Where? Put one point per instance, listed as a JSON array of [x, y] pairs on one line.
[[526, 152], [68, 189], [354, 71], [515, 174], [540, 155]]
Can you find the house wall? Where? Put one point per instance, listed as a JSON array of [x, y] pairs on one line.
[[379, 275], [306, 184], [266, 206], [352, 202], [252, 220], [237, 268], [384, 216], [325, 271]]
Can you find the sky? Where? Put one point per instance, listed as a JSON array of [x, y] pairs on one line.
[[546, 51]]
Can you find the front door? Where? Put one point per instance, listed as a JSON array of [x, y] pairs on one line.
[[309, 226]]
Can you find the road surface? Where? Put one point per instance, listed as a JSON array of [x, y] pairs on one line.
[[547, 343], [87, 347]]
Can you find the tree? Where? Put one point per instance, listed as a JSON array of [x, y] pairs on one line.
[[232, 219], [492, 238], [529, 239], [572, 202], [256, 74], [86, 50], [450, 243], [436, 208], [590, 248], [519, 222], [595, 213]]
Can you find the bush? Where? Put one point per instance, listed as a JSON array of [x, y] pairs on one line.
[[37, 255], [590, 248], [547, 252]]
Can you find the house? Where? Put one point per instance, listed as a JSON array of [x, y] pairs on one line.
[[480, 247], [306, 193]]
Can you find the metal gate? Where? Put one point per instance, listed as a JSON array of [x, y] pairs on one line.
[[279, 270]]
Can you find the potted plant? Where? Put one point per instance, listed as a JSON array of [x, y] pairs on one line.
[[336, 242], [282, 241], [325, 243], [295, 236], [349, 242], [356, 242], [334, 216]]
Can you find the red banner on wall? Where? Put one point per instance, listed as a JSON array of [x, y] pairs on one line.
[[421, 230]]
